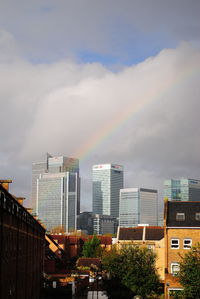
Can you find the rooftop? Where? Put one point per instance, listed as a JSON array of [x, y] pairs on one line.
[[144, 233], [188, 210]]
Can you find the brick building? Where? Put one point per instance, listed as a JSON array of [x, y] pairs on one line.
[[22, 241], [182, 231], [151, 237]]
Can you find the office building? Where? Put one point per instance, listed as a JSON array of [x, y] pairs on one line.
[[57, 191], [182, 189], [107, 182], [85, 222], [138, 206], [104, 224]]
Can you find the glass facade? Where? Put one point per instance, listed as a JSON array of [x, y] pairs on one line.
[[107, 182], [37, 169], [129, 215], [57, 193], [182, 190], [138, 206]]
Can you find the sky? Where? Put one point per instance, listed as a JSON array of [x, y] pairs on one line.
[[104, 81]]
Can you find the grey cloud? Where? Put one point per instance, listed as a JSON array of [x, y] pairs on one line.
[[49, 30], [60, 107]]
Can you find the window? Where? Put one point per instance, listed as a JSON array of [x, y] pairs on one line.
[[175, 243], [175, 268], [187, 243], [197, 216], [180, 216]]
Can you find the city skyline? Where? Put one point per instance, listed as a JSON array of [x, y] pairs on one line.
[[105, 82]]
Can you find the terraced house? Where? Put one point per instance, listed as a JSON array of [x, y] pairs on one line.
[[182, 231]]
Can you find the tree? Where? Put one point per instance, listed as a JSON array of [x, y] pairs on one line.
[[92, 247], [189, 274], [134, 267]]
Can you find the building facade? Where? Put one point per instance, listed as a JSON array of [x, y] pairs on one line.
[[85, 222], [22, 241], [107, 182], [57, 193], [182, 231], [97, 224], [151, 237], [104, 224], [182, 189], [138, 206]]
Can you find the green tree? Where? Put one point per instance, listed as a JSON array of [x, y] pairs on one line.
[[134, 267], [92, 247], [189, 274]]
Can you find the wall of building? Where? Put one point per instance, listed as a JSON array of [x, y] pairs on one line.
[[156, 246], [173, 255], [21, 251]]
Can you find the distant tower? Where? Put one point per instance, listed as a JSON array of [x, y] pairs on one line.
[[138, 206], [182, 189], [107, 182], [56, 192]]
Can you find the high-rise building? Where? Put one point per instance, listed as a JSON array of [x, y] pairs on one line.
[[138, 206], [56, 192], [107, 182], [182, 189]]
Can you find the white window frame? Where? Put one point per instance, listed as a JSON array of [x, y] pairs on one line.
[[180, 214], [175, 265], [185, 246], [197, 216], [178, 243]]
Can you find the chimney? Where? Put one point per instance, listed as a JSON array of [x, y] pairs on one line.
[[5, 184], [20, 200]]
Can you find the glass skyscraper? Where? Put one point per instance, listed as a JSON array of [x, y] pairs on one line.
[[56, 187], [182, 189], [138, 206], [107, 182]]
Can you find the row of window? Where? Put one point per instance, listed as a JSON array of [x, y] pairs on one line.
[[175, 243], [181, 216]]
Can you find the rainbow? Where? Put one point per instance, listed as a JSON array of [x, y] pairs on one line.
[[130, 111]]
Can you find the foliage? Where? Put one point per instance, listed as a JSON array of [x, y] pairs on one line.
[[92, 247], [83, 268], [176, 294], [134, 267], [189, 274], [115, 289]]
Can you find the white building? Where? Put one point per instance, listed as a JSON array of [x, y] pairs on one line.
[[138, 206], [107, 182]]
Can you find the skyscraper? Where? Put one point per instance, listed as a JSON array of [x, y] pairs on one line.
[[182, 189], [107, 182], [138, 206], [56, 192]]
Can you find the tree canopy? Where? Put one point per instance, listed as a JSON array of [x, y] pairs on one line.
[[189, 274], [92, 247], [135, 268]]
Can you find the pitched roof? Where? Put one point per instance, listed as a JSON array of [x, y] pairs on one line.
[[136, 233], [189, 208]]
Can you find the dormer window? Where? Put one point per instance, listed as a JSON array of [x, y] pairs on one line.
[[197, 216], [180, 216]]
